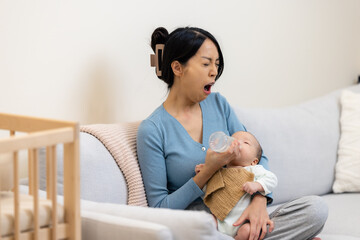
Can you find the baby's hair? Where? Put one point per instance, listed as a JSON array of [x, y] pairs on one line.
[[259, 152], [259, 149]]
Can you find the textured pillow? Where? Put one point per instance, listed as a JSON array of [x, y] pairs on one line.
[[347, 170], [6, 172]]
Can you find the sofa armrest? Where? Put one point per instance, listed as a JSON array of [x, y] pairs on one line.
[[96, 226], [182, 224], [108, 219]]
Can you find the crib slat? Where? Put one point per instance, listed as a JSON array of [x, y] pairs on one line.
[[53, 188], [16, 197], [16, 193], [36, 193], [30, 171], [48, 172]]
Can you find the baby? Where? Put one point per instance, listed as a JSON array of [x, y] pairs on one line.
[[264, 182]]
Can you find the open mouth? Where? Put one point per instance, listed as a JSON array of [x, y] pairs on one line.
[[207, 88]]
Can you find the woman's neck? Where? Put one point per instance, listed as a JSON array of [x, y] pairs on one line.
[[188, 114], [177, 104]]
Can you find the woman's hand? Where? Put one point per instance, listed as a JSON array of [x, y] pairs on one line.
[[258, 217], [199, 167], [214, 161]]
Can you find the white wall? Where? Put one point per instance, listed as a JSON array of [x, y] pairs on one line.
[[88, 60]]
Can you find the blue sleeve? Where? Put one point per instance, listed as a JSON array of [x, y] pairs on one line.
[[235, 125], [153, 168]]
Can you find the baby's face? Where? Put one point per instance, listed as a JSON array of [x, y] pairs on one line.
[[248, 149]]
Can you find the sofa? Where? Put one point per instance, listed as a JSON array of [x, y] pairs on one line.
[[304, 144]]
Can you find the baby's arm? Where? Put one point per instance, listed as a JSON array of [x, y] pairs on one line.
[[252, 187], [265, 181]]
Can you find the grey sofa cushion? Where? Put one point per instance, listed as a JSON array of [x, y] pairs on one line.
[[344, 215], [343, 219], [300, 142], [100, 177]]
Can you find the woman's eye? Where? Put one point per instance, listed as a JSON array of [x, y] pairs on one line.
[[206, 64]]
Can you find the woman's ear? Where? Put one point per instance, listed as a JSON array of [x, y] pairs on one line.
[[177, 68]]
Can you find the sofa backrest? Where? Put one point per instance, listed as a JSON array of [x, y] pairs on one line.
[[300, 142]]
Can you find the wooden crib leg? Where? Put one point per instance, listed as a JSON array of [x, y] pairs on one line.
[[72, 187]]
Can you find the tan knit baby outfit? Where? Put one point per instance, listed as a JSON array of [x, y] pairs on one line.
[[224, 190]]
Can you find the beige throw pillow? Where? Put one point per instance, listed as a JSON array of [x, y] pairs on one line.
[[347, 169], [6, 172]]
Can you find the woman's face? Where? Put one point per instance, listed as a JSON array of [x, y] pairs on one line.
[[200, 71]]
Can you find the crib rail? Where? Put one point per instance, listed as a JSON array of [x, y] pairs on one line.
[[45, 133]]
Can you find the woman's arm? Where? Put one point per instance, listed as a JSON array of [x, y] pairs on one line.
[[154, 172], [214, 161]]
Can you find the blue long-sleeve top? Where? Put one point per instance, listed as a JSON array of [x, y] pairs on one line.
[[168, 155]]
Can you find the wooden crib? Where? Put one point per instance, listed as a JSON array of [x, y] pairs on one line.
[[30, 134]]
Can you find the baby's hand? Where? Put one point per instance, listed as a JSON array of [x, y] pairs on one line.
[[198, 168], [252, 187]]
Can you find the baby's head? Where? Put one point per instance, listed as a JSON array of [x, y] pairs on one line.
[[250, 150]]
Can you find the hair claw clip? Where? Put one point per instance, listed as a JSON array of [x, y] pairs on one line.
[[156, 59]]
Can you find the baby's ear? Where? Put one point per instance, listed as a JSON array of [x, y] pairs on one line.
[[255, 162]]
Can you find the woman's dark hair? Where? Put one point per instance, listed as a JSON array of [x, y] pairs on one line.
[[181, 45]]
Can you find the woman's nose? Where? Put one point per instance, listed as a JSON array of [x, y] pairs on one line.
[[214, 71]]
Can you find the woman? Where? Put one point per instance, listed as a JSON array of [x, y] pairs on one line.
[[174, 139]]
